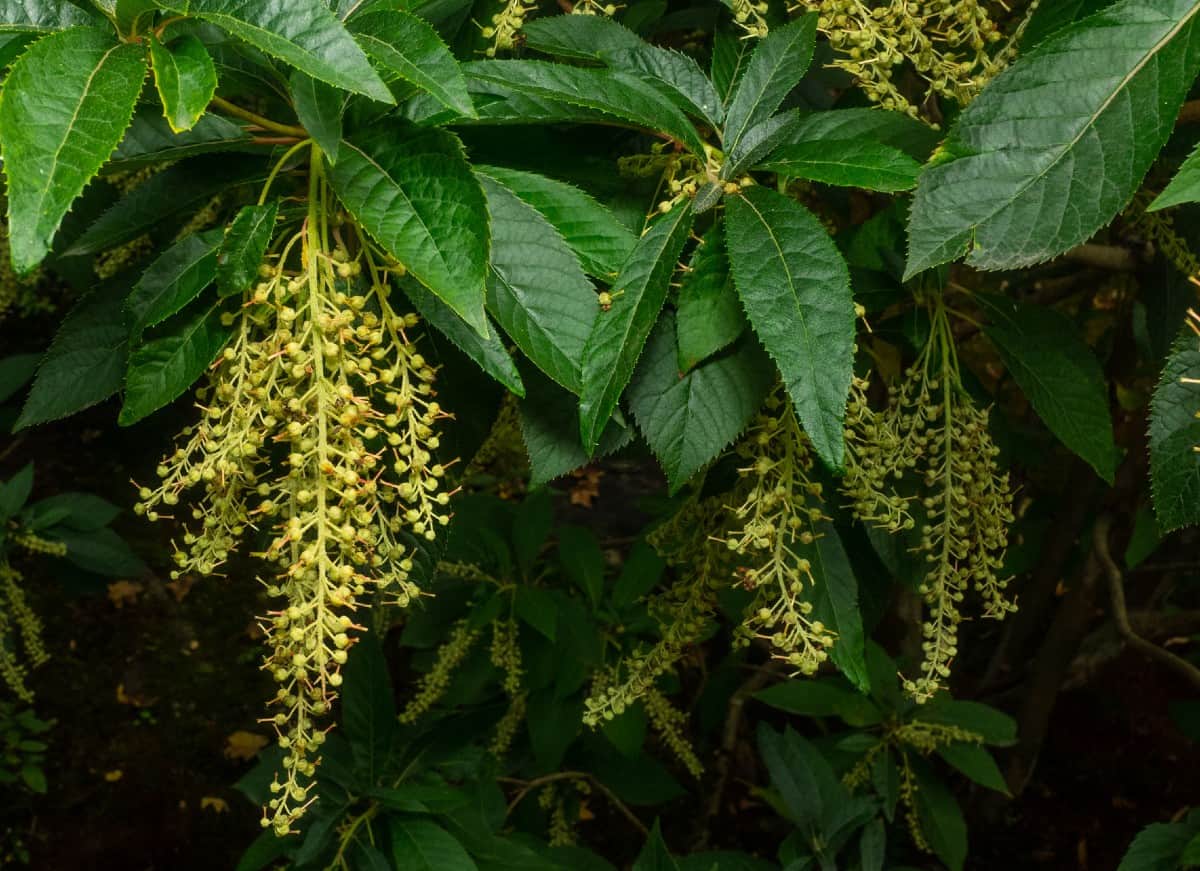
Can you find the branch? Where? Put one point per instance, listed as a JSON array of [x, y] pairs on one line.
[[530, 785], [1116, 591]]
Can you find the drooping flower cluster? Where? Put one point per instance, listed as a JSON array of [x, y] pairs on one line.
[[932, 437], [318, 425], [776, 530], [505, 28], [21, 646], [1158, 228], [951, 45], [437, 679]]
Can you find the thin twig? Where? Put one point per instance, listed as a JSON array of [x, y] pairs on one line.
[[530, 785]]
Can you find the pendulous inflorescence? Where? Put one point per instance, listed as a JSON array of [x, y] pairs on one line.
[[932, 437], [21, 645]]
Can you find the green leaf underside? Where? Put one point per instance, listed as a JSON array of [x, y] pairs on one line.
[[795, 289], [303, 33], [1054, 367], [173, 280], [161, 370], [488, 353], [619, 334], [1184, 187], [185, 78], [66, 104], [872, 166], [1174, 435], [414, 192], [319, 108], [618, 96], [243, 248], [40, 16], [86, 361], [709, 316], [599, 240], [1056, 145], [688, 420], [412, 50], [151, 140], [537, 291], [777, 65]]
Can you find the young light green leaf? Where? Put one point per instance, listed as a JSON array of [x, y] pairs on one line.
[[86, 361], [40, 16], [1054, 367], [599, 240], [709, 316], [537, 290], [185, 78], [243, 248], [414, 192], [303, 33], [162, 369], [779, 62], [1058, 143], [617, 96], [619, 334], [150, 139], [66, 104], [688, 420], [411, 49], [1174, 435], [869, 165], [795, 288], [423, 845], [319, 107], [173, 280], [1184, 187], [488, 353]]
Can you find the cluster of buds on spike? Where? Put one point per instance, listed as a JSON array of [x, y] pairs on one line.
[[505, 28]]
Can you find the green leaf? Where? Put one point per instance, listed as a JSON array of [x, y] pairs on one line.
[[585, 37], [1056, 145], [65, 106], [1184, 187], [976, 763], [869, 165], [582, 561], [821, 698], [940, 818], [86, 361], [40, 16], [83, 512], [1158, 847], [537, 291], [34, 778], [101, 551], [599, 240], [654, 855], [150, 139], [617, 96], [173, 280], [689, 419], [915, 138], [619, 334], [131, 17], [422, 845], [186, 80], [15, 492], [16, 371], [793, 766], [553, 724], [795, 288], [488, 353], [163, 368], [1054, 367], [303, 33], [537, 608], [319, 107], [243, 248], [730, 57], [709, 315], [872, 845], [993, 726], [548, 425], [1174, 435], [410, 48], [368, 709], [835, 600], [414, 192], [777, 65]]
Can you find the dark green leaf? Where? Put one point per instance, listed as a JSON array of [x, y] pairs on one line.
[[654, 855], [537, 290], [595, 235], [163, 368], [537, 607], [1184, 187], [1053, 365], [150, 139], [976, 763], [1174, 435], [15, 372], [99, 550], [582, 561], [913, 137], [940, 818], [1158, 847], [553, 724], [689, 419], [65, 106], [795, 288], [368, 709], [869, 165], [303, 33], [15, 492], [173, 280], [995, 727], [319, 107], [730, 56], [872, 846], [40, 16], [83, 512], [422, 845], [823, 698], [777, 65], [185, 78], [619, 334], [243, 248], [835, 597], [585, 37], [709, 314], [414, 192], [1058, 143], [34, 778], [790, 767]]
